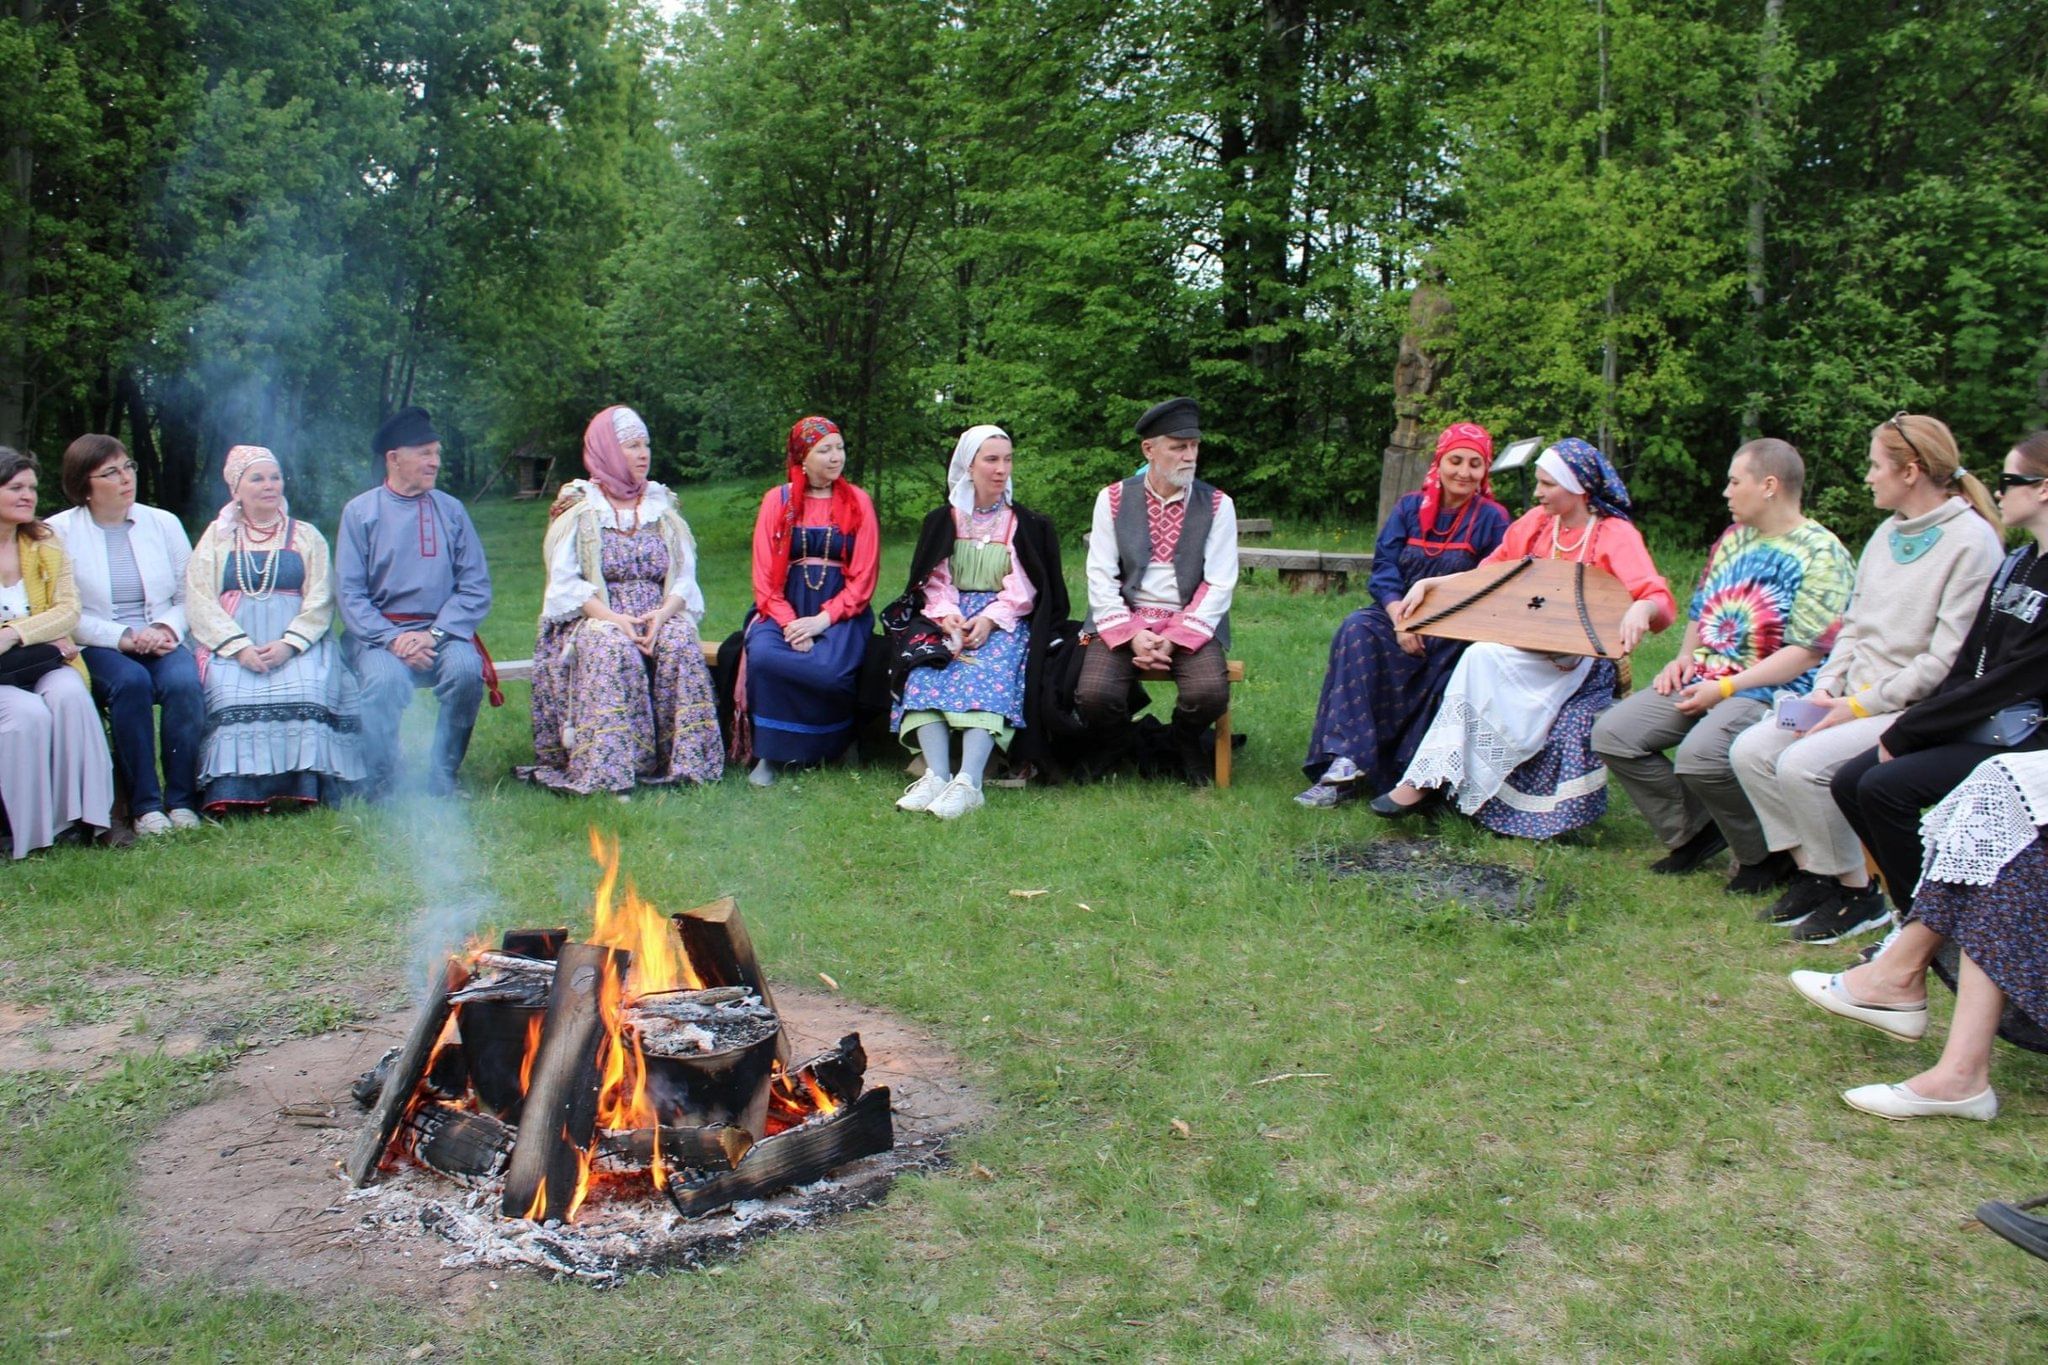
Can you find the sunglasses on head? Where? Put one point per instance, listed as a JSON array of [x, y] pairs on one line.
[[1906, 436]]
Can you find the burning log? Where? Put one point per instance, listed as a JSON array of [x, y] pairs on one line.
[[559, 1118], [403, 1077], [721, 953], [717, 1147], [539, 943], [455, 1142], [836, 1075], [797, 1157]]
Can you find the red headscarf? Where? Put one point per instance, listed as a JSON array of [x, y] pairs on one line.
[[1457, 436], [803, 437]]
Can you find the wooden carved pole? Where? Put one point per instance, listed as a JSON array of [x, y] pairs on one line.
[[1421, 365]]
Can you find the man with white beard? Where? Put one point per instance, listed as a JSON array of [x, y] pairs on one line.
[[1162, 565]]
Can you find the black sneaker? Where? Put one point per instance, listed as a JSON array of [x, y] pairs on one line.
[[1856, 912], [1691, 853], [1754, 879], [1809, 892]]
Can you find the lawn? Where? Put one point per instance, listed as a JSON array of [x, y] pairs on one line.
[[1609, 1131]]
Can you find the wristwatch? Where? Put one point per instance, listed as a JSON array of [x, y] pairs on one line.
[[440, 635]]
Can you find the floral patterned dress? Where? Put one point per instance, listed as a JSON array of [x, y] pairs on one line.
[[606, 716]]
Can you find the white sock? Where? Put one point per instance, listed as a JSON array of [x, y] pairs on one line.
[[937, 742], [975, 747]]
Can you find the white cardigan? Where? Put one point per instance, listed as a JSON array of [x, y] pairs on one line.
[[161, 550]]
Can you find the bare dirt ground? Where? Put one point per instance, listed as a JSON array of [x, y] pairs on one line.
[[245, 1189]]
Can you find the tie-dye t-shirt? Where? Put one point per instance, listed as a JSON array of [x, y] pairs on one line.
[[1762, 593]]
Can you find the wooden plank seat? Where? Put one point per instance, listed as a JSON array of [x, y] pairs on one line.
[[521, 670], [1307, 570], [1234, 670]]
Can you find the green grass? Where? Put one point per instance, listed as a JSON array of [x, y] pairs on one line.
[[1610, 1131]]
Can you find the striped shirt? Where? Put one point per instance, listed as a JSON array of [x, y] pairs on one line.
[[124, 577]]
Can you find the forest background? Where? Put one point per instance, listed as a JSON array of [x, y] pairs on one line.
[[1659, 224]]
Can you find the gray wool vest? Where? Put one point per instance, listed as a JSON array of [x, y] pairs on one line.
[[1134, 544]]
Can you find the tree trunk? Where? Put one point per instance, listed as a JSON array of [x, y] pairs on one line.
[[17, 179], [1761, 179]]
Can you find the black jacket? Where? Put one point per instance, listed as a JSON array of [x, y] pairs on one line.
[[2004, 660], [1038, 554]]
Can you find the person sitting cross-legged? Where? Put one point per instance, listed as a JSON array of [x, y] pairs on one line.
[[1764, 615], [1383, 683], [1985, 887], [1917, 588]]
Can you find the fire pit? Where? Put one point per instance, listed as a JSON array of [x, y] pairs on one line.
[[646, 1063]]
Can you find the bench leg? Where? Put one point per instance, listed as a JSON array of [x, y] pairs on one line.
[[1223, 750]]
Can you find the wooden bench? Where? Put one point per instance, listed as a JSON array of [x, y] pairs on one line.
[[1254, 526], [1308, 570], [521, 670], [1234, 670]]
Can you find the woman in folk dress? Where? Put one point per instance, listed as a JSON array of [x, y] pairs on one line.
[[281, 715], [621, 693], [1501, 702]]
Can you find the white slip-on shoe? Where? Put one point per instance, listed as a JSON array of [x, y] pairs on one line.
[[920, 794], [152, 823], [1901, 1102], [1900, 1021], [959, 797], [186, 819]]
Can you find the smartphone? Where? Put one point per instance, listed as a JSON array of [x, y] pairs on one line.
[[1798, 713]]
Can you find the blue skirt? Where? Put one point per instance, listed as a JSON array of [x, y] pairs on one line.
[[802, 705], [1377, 699]]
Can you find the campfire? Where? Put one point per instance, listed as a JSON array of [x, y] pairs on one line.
[[646, 1062]]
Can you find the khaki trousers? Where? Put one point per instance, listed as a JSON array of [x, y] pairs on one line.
[[1786, 777], [1680, 794]]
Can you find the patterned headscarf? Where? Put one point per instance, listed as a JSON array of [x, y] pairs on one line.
[[959, 480], [1457, 436], [803, 437], [604, 454], [1590, 473], [240, 460]]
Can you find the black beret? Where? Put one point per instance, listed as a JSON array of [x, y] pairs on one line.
[[406, 427], [1174, 417]]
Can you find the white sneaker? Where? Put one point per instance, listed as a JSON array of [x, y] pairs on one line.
[[959, 797], [186, 819], [152, 824], [920, 794]]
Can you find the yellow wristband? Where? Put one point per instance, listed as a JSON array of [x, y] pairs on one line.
[[1857, 707], [1727, 688]]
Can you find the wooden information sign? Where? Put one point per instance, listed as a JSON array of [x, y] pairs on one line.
[[1552, 606]]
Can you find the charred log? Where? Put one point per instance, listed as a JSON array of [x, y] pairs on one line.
[[540, 943], [455, 1142], [838, 1075], [715, 1148], [559, 1117], [721, 954], [797, 1157], [404, 1076]]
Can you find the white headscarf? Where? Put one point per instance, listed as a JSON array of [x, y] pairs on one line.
[[626, 424], [959, 485], [1552, 463]]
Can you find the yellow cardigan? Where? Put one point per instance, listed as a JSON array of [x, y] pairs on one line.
[[52, 594]]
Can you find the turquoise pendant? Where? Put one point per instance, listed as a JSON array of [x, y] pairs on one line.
[[1909, 546]]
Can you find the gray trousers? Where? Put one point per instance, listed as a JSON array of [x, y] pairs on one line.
[[388, 685], [1679, 794]]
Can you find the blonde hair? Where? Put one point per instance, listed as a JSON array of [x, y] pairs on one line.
[[1912, 438]]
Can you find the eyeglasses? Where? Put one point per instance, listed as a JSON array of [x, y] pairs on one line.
[[126, 469], [2008, 482], [1900, 427]]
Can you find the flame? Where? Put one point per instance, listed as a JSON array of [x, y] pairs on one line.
[[531, 1050], [538, 1209], [659, 962]]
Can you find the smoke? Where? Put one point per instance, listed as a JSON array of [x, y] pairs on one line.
[[432, 838]]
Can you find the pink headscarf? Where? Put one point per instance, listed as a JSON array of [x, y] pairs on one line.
[[239, 461], [604, 455], [1456, 436]]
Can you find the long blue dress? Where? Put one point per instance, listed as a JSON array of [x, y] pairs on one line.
[[802, 704], [1378, 698]]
